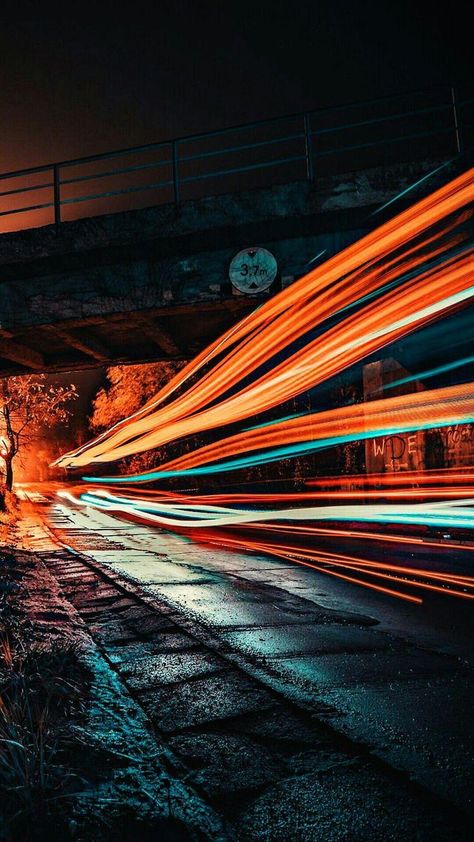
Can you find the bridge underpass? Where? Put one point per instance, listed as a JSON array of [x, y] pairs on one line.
[[135, 265], [153, 283]]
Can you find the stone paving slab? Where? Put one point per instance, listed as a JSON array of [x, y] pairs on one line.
[[158, 670], [227, 764], [205, 700], [234, 614], [158, 572], [111, 632], [166, 642], [282, 727], [223, 561], [139, 555]]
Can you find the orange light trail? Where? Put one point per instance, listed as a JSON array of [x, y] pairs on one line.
[[453, 404], [361, 269], [409, 273], [377, 569]]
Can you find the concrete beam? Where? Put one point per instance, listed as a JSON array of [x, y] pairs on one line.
[[158, 335], [95, 336], [18, 353], [81, 341]]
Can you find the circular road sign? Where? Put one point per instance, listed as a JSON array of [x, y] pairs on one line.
[[253, 270]]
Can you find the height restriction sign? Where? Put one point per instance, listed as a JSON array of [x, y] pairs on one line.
[[253, 270]]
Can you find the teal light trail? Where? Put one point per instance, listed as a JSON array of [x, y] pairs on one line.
[[432, 372], [286, 452], [411, 187]]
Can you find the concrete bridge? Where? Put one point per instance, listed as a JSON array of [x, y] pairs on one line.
[[153, 283]]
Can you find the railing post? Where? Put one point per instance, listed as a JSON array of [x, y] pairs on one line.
[[457, 126], [57, 195], [176, 172], [308, 147]]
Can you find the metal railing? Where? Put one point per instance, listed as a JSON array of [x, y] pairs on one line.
[[406, 127]]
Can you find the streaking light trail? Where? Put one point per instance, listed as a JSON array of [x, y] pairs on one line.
[[210, 519], [413, 271], [431, 273], [458, 513], [298, 435], [424, 375]]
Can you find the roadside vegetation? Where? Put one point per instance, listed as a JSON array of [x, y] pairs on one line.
[[127, 389], [9, 513], [78, 762], [43, 692]]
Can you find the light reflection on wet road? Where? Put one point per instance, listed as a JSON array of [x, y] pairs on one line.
[[392, 675]]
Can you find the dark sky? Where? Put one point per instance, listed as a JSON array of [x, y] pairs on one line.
[[82, 78]]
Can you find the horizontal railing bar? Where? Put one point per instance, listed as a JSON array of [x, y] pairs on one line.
[[323, 109], [213, 153], [103, 156], [27, 189], [297, 115], [92, 176], [110, 193], [447, 107], [233, 171], [155, 164], [89, 159], [243, 147], [385, 142], [148, 146], [25, 210], [182, 139], [216, 133], [160, 184], [29, 171]]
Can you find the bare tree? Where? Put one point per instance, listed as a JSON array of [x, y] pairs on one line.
[[28, 404]]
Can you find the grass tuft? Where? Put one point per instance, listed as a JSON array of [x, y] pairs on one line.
[[42, 691]]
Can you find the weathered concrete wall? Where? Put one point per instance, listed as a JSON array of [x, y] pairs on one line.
[[146, 284], [440, 447], [159, 256], [153, 283], [458, 445], [402, 451]]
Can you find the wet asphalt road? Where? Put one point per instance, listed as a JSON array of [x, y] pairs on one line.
[[393, 676]]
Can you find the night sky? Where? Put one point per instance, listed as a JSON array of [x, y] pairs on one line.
[[82, 78]]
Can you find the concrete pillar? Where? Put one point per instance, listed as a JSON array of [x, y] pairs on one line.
[[396, 452], [458, 443]]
